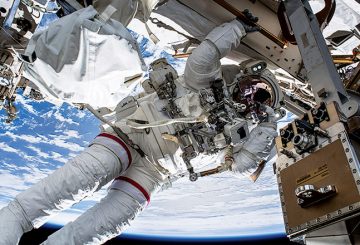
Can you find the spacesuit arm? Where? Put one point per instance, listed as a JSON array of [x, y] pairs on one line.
[[203, 65]]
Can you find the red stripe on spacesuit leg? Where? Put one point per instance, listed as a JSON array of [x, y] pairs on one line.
[[110, 136], [137, 185]]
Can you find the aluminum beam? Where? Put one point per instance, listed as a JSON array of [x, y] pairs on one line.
[[321, 72]]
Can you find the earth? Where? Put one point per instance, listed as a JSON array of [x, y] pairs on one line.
[[45, 136]]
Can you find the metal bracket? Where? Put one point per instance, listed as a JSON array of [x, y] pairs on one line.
[[322, 74], [308, 195]]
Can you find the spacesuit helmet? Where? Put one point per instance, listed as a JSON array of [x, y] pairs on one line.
[[256, 88]]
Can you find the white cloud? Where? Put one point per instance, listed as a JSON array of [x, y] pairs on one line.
[[36, 159], [36, 174], [11, 184], [39, 152], [58, 140], [28, 138], [25, 104], [7, 148], [67, 145], [80, 114], [68, 134], [61, 118], [55, 155], [58, 157]]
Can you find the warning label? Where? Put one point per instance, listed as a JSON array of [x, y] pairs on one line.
[[317, 174]]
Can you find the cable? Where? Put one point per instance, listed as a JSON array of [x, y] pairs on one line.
[[133, 124], [12, 37]]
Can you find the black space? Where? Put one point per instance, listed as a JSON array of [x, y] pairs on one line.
[[39, 235]]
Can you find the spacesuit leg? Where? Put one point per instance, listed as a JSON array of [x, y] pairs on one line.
[[104, 160], [128, 195]]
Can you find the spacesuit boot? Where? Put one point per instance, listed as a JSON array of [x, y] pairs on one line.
[[105, 159]]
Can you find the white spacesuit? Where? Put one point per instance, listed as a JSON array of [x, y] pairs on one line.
[[137, 178]]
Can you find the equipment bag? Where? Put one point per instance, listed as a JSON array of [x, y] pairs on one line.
[[84, 57]]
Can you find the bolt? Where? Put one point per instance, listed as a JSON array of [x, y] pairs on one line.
[[324, 95], [193, 177]]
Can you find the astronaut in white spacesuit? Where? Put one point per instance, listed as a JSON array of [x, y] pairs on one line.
[[140, 174]]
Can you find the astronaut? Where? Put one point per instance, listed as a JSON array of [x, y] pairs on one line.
[[142, 151]]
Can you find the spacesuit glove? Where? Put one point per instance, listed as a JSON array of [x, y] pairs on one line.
[[248, 156], [251, 19], [271, 115]]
